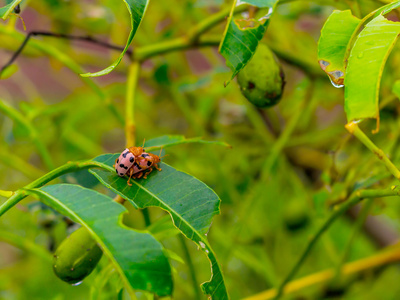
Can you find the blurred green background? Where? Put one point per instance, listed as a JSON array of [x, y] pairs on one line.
[[287, 166]]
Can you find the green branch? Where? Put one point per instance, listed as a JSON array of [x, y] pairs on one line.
[[17, 117], [192, 39], [354, 199], [362, 216], [353, 128], [131, 87], [67, 168]]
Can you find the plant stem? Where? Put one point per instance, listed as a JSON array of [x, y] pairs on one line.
[[25, 244], [353, 128], [17, 117], [67, 168], [16, 162], [130, 127], [191, 267], [357, 226], [212, 21], [287, 132], [192, 39], [354, 199], [146, 216], [383, 258], [66, 61]]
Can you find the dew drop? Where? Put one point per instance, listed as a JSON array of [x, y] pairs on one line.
[[335, 84], [360, 55], [76, 284], [202, 244]]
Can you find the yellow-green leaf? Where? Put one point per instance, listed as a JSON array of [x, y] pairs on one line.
[[365, 66], [241, 37], [137, 256], [137, 9], [332, 44]]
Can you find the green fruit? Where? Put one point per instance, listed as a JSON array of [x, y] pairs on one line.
[[76, 257], [262, 80]]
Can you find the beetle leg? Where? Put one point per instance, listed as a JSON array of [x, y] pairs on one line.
[[157, 167], [139, 175], [130, 176], [147, 173]]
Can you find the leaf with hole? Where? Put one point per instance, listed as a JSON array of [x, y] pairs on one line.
[[366, 62], [137, 9], [190, 202], [137, 256], [241, 37], [333, 42]]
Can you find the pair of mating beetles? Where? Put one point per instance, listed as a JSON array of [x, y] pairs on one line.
[[135, 163]]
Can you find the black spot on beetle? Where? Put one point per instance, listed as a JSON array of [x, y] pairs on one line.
[[121, 174], [124, 154], [149, 163], [116, 171], [123, 166], [118, 161], [131, 159], [145, 155], [137, 166]]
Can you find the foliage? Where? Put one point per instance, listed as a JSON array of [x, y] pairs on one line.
[[250, 203]]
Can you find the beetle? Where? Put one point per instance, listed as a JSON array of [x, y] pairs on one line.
[[126, 159], [144, 164]]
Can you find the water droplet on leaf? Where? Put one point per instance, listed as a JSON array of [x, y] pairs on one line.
[[335, 84], [76, 284]]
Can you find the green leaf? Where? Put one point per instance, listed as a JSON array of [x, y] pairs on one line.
[[189, 201], [137, 9], [173, 140], [137, 256], [6, 10], [241, 37], [387, 8], [333, 42], [365, 66]]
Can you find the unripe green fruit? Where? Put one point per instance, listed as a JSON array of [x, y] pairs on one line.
[[76, 257], [262, 80]]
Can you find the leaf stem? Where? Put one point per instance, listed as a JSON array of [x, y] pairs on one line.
[[353, 128], [192, 39], [146, 216], [67, 168], [357, 226], [25, 244], [382, 258], [17, 117], [354, 199], [191, 267], [287, 132], [130, 126]]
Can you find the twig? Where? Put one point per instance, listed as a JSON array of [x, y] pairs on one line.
[[353, 200], [17, 117], [63, 36], [353, 128], [368, 263], [131, 87], [191, 267], [67, 168]]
